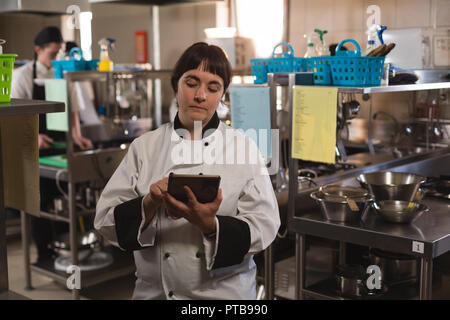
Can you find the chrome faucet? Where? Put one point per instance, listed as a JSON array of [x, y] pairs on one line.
[[397, 127]]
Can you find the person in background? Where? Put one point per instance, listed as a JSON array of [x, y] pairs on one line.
[[28, 83], [192, 250]]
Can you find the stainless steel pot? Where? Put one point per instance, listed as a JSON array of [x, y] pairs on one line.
[[385, 185], [87, 242], [345, 206], [395, 268], [351, 280]]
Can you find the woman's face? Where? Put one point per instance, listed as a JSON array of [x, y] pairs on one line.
[[198, 95]]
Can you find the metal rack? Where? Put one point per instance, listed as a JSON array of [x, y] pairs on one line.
[[16, 107], [84, 166], [309, 221]]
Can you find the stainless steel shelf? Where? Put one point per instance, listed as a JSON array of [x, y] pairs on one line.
[[395, 88], [283, 80], [103, 75], [323, 290], [123, 265]]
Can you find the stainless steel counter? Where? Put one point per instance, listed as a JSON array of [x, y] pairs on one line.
[[432, 229], [426, 239]]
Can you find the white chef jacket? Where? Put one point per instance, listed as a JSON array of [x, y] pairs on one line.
[[173, 258]]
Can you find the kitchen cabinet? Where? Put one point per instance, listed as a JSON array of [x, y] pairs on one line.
[[305, 218]]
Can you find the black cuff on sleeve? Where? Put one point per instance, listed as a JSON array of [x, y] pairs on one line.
[[234, 242], [128, 218]]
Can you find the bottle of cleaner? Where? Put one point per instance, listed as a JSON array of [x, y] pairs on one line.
[[105, 63], [371, 39], [322, 48], [310, 52], [380, 30]]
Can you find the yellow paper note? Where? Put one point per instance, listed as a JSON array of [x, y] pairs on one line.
[[20, 167], [314, 124]]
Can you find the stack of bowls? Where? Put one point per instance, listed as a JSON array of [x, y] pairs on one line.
[[396, 194]]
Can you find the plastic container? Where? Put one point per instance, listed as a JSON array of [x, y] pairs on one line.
[[74, 64], [287, 63], [6, 68], [349, 68]]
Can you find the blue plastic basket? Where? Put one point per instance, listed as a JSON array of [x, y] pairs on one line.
[[320, 66], [289, 63], [61, 66], [259, 70], [348, 68]]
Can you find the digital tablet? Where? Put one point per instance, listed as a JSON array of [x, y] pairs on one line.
[[205, 187]]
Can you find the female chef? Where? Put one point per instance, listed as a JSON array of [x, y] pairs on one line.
[[192, 250]]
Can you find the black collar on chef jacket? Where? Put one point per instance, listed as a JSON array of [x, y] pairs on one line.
[[212, 124]]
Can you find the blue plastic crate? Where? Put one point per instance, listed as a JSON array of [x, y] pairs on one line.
[[348, 68], [61, 66], [289, 63], [259, 70]]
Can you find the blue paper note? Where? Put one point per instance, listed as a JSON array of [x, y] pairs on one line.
[[250, 111]]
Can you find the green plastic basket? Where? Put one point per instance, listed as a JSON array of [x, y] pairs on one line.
[[6, 68]]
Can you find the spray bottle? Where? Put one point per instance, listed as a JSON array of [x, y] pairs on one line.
[[105, 63], [310, 52], [374, 37], [380, 30], [371, 38], [322, 49]]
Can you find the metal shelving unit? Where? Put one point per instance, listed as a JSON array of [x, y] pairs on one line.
[[370, 233], [16, 107]]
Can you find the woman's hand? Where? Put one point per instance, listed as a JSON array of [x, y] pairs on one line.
[[202, 215], [154, 197], [44, 141]]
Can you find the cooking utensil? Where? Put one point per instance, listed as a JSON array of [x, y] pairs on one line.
[[338, 208], [375, 52], [398, 211], [87, 242], [341, 193], [385, 185], [387, 49], [395, 268], [351, 281]]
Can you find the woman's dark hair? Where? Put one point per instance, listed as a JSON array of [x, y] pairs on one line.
[[212, 58]]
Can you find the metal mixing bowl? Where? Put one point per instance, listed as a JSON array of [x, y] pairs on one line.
[[338, 209], [400, 211], [385, 185]]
